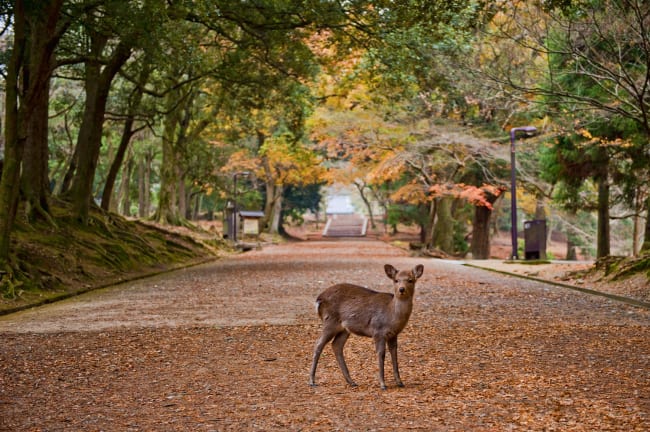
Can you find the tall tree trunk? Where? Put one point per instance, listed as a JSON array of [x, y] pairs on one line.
[[603, 248], [37, 30], [15, 135], [268, 205], [69, 174], [481, 233], [35, 186], [167, 211], [481, 228], [429, 231], [361, 186], [182, 195], [45, 29], [98, 81], [645, 246], [571, 253], [127, 134], [275, 219], [125, 187], [444, 229], [144, 175], [636, 222]]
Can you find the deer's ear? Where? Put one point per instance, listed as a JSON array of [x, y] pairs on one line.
[[391, 271], [418, 270]]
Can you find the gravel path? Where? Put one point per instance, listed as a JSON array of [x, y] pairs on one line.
[[227, 346]]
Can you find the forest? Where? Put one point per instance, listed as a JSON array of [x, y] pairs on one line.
[[163, 110]]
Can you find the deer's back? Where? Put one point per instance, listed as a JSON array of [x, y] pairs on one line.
[[354, 307]]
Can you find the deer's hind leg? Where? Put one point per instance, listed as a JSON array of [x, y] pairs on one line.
[[337, 345], [326, 336]]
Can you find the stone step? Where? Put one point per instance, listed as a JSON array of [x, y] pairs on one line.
[[345, 225]]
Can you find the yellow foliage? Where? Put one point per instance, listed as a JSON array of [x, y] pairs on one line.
[[412, 193]]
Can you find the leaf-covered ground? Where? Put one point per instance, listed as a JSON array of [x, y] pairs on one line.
[[227, 346]]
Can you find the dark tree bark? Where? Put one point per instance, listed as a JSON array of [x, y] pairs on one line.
[[167, 211], [144, 175], [481, 233], [45, 26], [14, 134], [443, 231], [118, 160], [603, 247], [98, 81], [361, 187], [37, 30], [645, 246], [125, 204], [481, 225], [127, 134]]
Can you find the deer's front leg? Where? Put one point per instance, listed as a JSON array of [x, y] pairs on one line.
[[392, 348], [380, 346]]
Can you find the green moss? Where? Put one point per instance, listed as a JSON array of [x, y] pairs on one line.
[[62, 256]]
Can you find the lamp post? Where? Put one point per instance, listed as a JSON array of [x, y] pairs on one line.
[[513, 186], [234, 210]]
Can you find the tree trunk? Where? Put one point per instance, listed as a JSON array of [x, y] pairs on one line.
[[125, 187], [444, 228], [144, 175], [69, 174], [35, 186], [645, 246], [14, 134], [361, 186], [97, 85], [167, 211], [481, 233], [276, 212], [429, 232], [127, 134], [603, 248], [182, 195], [36, 34], [481, 228], [571, 254]]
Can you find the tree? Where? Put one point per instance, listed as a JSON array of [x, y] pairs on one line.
[[134, 99], [37, 29], [594, 59]]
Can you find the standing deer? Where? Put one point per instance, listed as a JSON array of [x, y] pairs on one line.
[[346, 308]]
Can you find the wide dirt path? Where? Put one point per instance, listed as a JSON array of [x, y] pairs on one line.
[[227, 346]]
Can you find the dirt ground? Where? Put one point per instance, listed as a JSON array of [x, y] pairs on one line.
[[227, 346]]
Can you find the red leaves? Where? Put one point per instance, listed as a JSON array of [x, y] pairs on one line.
[[478, 196]]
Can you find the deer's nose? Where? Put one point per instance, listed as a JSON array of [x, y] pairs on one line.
[[401, 290]]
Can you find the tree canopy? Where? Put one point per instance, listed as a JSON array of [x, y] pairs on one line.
[[108, 103]]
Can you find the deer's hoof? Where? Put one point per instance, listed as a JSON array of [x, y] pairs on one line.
[[400, 384], [383, 387]]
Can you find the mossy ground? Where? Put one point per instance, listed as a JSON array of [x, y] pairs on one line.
[[49, 261]]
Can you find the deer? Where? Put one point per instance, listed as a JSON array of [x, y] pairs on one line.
[[346, 308]]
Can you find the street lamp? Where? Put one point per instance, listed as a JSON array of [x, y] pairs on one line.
[[234, 210], [513, 186]]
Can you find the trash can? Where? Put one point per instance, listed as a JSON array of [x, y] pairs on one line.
[[535, 239]]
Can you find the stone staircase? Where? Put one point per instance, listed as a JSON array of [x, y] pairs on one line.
[[346, 225]]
